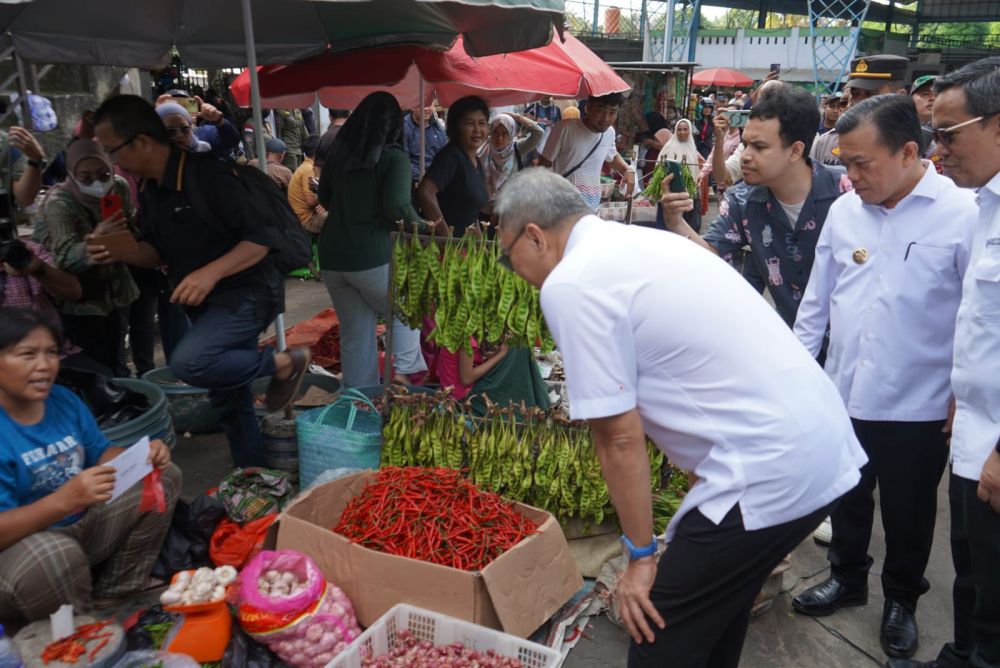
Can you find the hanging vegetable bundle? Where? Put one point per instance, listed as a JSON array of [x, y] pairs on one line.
[[654, 191], [468, 293], [527, 455]]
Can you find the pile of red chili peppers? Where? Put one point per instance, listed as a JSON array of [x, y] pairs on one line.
[[328, 345], [71, 648], [433, 515]]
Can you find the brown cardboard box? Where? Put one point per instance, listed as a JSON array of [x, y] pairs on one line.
[[516, 593]]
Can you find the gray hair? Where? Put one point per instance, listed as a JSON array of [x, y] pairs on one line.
[[537, 195], [981, 83]]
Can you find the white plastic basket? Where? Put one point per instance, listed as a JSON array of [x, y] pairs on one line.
[[607, 189], [614, 211], [441, 630]]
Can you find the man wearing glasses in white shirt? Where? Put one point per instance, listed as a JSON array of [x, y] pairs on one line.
[[758, 422], [888, 280], [966, 119]]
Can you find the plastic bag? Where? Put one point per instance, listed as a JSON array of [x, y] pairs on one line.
[[153, 498], [139, 634], [306, 629], [249, 494], [147, 659], [110, 403], [243, 652], [186, 546], [330, 475], [234, 545]]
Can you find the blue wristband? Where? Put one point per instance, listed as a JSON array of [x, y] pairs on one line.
[[638, 552]]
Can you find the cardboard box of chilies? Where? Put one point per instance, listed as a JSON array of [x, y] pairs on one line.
[[516, 593]]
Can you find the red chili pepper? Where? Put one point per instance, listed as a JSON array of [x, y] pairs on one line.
[[434, 515]]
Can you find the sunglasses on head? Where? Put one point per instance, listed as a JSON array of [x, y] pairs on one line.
[[945, 136]]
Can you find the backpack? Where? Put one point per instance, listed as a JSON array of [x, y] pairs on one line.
[[291, 247]]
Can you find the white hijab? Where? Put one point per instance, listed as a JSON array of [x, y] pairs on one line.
[[681, 151]]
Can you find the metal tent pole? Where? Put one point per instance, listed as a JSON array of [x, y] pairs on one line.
[[423, 130], [258, 124]]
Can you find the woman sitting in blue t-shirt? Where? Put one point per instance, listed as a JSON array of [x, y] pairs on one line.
[[56, 526]]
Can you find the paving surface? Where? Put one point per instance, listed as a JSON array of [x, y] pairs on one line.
[[776, 639]]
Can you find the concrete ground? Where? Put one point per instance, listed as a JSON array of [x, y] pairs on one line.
[[778, 638]]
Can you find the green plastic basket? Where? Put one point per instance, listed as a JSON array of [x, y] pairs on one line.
[[340, 435]]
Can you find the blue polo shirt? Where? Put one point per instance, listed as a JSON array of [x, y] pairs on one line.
[[783, 251], [38, 459]]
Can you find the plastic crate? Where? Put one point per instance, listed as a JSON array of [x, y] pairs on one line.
[[440, 630]]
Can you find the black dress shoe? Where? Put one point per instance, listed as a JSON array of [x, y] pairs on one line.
[[829, 596], [899, 631]]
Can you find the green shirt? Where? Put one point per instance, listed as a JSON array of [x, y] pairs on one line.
[[62, 224], [363, 206]]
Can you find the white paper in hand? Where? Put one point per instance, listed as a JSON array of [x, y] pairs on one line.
[[131, 466]]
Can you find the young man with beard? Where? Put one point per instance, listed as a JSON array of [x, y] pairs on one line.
[[779, 209]]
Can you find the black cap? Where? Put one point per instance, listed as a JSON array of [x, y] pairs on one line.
[[873, 72]]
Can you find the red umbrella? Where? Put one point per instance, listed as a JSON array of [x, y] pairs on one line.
[[562, 68], [721, 77]]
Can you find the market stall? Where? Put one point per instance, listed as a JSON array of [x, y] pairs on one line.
[[655, 87]]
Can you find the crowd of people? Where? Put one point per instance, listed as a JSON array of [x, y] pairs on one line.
[[881, 268]]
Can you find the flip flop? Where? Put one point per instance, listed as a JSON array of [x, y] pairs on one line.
[[280, 393]]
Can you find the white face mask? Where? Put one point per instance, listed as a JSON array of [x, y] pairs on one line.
[[95, 189]]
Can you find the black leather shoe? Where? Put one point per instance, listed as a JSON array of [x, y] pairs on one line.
[[899, 631], [909, 663], [829, 596]]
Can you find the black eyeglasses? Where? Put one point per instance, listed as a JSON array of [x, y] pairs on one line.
[[945, 136], [112, 151], [504, 258]]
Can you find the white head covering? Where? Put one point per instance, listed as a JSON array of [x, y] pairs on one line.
[[681, 151], [499, 162]]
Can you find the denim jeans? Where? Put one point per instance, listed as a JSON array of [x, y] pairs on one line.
[[359, 297], [219, 353]]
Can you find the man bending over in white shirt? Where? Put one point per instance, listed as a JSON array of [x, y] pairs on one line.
[[765, 433]]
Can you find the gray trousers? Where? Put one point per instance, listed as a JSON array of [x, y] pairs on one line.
[[359, 297]]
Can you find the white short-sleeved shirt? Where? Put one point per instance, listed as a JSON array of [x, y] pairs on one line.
[[722, 385], [569, 142], [888, 281], [975, 378]]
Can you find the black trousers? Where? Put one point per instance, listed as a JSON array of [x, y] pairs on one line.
[[975, 550], [101, 337], [905, 460], [706, 584], [142, 318]]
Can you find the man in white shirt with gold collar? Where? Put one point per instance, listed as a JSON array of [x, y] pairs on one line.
[[888, 279], [967, 133]]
